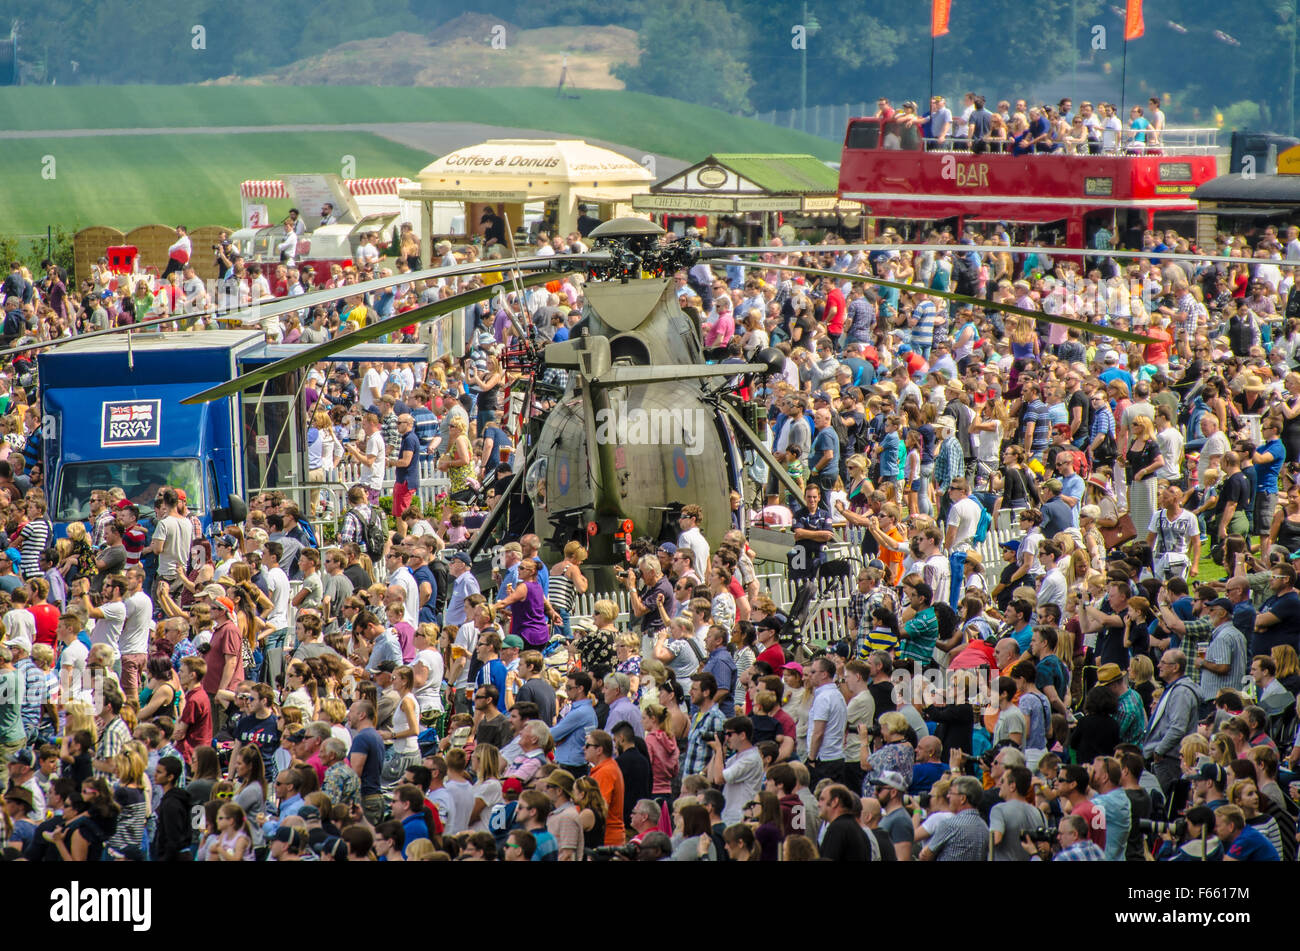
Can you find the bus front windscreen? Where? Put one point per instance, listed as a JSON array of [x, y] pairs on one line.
[[140, 479]]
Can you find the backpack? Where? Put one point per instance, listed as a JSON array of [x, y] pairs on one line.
[[443, 578], [982, 528], [374, 532]]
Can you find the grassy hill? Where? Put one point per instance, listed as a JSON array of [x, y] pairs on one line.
[[126, 181], [653, 123]]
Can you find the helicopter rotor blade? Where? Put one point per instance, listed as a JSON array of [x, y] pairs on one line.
[[1081, 325], [640, 376], [743, 431], [338, 344], [274, 307], [1119, 253]]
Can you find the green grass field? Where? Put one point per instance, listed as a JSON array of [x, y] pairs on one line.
[[126, 181], [666, 126]]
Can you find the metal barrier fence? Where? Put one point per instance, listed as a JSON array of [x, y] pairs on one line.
[[829, 621]]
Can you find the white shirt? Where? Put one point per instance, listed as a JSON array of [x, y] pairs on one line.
[[1110, 132], [20, 621], [1215, 445], [742, 778], [288, 247], [429, 697], [1170, 441], [373, 476], [693, 539], [1053, 589], [135, 628], [965, 516], [108, 629], [372, 385], [411, 609], [828, 706], [466, 638], [181, 244], [176, 535], [277, 583]]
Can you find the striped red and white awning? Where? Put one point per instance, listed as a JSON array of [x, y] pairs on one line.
[[263, 188], [375, 186], [274, 188]]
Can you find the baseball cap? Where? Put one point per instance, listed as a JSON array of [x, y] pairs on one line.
[[462, 556], [225, 603], [127, 504], [668, 548], [509, 784], [20, 641], [1223, 603], [212, 591], [796, 667], [1012, 545], [893, 779], [24, 756], [513, 640], [308, 813], [821, 395], [181, 496], [1212, 772]]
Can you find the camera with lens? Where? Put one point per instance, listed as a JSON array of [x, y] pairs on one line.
[[1177, 828], [1047, 834], [708, 736], [614, 853]]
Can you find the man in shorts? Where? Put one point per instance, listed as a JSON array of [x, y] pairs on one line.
[[407, 465]]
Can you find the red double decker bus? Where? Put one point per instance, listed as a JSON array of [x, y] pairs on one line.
[[1055, 198]]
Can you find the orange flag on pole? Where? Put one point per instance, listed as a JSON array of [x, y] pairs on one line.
[[1133, 25], [939, 17]]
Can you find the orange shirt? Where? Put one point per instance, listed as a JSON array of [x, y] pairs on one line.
[[610, 780], [892, 560]]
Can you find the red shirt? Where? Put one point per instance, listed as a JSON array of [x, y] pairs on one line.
[[225, 643], [47, 621], [197, 717], [774, 656], [834, 312], [1096, 820]]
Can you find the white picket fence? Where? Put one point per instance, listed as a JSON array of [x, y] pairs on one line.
[[432, 480]]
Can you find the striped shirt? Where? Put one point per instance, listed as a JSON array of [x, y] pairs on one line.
[[560, 592], [35, 537], [1103, 421], [921, 633], [923, 332]]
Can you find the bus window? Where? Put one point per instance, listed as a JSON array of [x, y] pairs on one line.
[[863, 135]]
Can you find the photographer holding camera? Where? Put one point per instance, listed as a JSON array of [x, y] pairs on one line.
[[644, 603]]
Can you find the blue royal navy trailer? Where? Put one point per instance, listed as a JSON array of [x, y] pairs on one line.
[[112, 416]]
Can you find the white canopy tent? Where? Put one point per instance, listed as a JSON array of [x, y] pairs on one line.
[[506, 174]]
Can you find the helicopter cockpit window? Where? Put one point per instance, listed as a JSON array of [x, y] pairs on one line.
[[535, 481]]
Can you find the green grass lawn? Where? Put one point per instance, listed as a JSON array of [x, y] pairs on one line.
[[125, 181], [666, 126]]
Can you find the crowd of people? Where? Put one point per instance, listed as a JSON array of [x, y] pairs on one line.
[[1122, 686], [1023, 129]]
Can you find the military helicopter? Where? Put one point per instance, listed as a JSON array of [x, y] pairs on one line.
[[643, 425]]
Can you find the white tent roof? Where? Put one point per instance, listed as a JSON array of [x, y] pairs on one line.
[[528, 169]]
